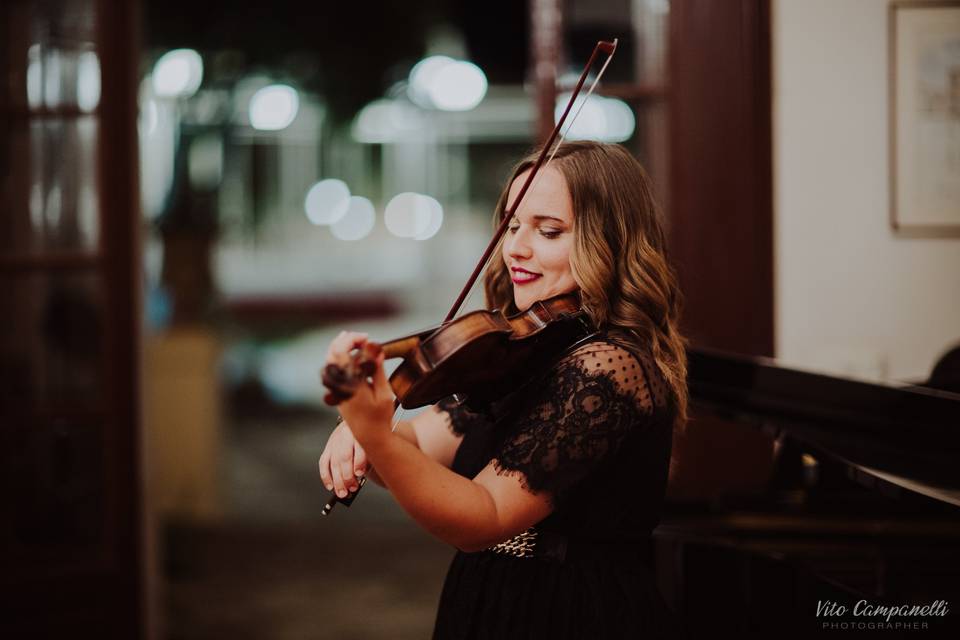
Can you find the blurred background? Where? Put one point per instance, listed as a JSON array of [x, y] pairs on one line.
[[197, 196]]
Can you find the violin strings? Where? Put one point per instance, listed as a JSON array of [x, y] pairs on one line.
[[473, 289], [397, 416]]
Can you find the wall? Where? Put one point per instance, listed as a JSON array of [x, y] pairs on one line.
[[850, 297]]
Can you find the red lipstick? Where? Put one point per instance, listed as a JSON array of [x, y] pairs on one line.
[[522, 276]]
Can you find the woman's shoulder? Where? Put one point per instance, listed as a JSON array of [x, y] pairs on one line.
[[616, 361]]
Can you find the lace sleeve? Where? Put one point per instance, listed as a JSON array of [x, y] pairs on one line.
[[593, 398], [459, 418]]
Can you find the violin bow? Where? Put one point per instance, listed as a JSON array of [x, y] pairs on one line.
[[602, 47]]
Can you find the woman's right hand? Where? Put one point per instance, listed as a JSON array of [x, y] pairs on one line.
[[342, 460]]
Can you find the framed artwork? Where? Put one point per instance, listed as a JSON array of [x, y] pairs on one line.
[[925, 118]]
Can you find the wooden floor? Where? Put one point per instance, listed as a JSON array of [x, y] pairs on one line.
[[273, 568]]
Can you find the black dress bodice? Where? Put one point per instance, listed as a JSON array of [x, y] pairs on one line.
[[593, 434]]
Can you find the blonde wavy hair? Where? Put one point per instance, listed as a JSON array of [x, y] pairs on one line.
[[618, 257]]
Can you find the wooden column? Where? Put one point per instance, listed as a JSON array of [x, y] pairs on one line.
[[546, 24], [721, 214]]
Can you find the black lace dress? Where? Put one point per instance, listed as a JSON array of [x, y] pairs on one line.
[[594, 433]]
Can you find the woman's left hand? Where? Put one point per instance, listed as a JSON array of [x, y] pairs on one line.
[[370, 410]]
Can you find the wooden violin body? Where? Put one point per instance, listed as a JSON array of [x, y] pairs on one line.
[[481, 354]]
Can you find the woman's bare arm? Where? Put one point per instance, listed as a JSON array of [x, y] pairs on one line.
[[430, 432]]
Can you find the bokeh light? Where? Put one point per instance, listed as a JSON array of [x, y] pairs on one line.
[[407, 214], [386, 121], [422, 79], [327, 201], [52, 71], [274, 107], [177, 74], [34, 77], [602, 119], [440, 82], [357, 222], [435, 221], [458, 86], [88, 81]]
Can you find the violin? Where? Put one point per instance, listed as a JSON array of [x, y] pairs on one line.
[[482, 353], [442, 362]]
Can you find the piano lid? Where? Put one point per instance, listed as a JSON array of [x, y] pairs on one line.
[[910, 432]]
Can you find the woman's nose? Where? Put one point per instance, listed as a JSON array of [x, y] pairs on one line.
[[517, 244]]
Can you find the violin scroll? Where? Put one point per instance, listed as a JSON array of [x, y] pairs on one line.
[[342, 381]]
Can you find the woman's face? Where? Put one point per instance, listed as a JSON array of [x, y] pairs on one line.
[[536, 248]]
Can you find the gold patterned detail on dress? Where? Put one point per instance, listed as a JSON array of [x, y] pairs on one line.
[[521, 545]]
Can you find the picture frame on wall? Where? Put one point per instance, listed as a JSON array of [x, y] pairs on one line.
[[924, 60]]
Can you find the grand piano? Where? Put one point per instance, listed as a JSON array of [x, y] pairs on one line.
[[863, 507]]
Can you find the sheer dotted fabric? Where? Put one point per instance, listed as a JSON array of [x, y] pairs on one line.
[[460, 419], [589, 403]]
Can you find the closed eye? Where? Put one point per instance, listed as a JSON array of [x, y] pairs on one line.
[[547, 232]]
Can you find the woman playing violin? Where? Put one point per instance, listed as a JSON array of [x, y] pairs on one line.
[[551, 492]]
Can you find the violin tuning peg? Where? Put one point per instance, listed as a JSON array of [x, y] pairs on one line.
[[334, 375]]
